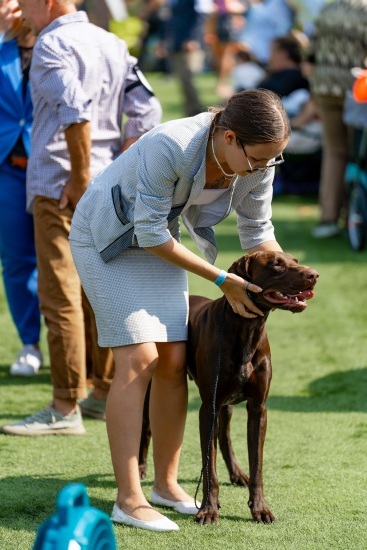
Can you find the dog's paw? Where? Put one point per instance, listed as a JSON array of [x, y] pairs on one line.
[[238, 477], [260, 511], [208, 515]]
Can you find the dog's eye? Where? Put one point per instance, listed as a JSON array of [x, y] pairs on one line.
[[277, 266]]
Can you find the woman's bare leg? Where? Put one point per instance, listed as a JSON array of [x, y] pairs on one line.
[[134, 366], [168, 407]]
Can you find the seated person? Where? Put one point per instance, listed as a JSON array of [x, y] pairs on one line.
[[247, 72], [286, 78], [306, 126], [285, 67]]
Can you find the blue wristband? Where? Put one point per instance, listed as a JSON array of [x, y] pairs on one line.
[[221, 278]]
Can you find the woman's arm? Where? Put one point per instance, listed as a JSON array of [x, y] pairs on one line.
[[233, 287]]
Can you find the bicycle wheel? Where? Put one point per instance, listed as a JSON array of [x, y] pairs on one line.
[[357, 217]]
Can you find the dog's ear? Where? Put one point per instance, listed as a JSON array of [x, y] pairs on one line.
[[242, 267]]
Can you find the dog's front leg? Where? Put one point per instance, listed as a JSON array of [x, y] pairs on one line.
[[256, 430], [209, 511]]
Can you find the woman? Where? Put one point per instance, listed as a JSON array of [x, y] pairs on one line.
[[204, 167], [17, 249]]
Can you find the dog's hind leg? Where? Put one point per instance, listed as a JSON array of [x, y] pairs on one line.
[[236, 474]]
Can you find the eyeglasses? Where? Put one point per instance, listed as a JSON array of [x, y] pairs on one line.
[[278, 160]]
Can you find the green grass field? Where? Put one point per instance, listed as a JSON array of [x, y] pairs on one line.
[[315, 460]]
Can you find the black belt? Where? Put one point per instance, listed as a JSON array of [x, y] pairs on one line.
[[19, 162]]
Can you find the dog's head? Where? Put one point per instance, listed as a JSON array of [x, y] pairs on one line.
[[286, 284]]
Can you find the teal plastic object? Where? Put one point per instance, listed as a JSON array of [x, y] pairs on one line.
[[76, 525]]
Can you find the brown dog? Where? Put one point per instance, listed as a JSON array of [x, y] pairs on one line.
[[228, 356]]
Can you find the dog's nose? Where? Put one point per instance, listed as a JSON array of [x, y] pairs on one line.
[[312, 275]]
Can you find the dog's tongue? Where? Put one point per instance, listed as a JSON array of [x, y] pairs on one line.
[[306, 295]]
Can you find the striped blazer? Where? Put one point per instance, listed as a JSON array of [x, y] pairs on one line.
[[165, 169]]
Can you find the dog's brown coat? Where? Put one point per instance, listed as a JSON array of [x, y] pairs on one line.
[[245, 370]]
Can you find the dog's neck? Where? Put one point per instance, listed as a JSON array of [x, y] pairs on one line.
[[257, 321], [243, 333]]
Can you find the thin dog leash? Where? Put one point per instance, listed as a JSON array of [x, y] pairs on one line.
[[206, 465]]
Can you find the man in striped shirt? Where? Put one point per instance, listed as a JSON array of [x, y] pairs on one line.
[[83, 81]]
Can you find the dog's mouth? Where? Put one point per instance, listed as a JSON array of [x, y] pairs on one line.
[[290, 301]]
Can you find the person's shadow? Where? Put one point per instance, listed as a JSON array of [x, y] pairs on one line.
[[28, 500]]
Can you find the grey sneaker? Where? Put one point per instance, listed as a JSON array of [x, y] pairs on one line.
[[96, 408], [28, 362], [47, 422]]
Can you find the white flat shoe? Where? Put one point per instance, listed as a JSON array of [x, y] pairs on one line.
[[181, 507], [164, 524]]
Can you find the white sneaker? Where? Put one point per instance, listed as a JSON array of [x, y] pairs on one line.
[[47, 422], [28, 362], [326, 230]]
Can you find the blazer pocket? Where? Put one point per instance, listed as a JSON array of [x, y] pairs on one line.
[[125, 239]]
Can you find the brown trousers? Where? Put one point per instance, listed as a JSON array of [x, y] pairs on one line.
[[332, 196], [63, 305]]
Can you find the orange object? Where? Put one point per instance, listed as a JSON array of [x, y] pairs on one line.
[[360, 87]]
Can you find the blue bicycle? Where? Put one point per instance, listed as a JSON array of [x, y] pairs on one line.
[[356, 182], [355, 116]]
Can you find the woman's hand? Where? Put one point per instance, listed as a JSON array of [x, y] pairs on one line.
[[233, 287], [235, 290]]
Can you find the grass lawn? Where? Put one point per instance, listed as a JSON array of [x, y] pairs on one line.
[[315, 458]]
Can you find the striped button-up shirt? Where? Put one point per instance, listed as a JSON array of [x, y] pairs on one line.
[[80, 73]]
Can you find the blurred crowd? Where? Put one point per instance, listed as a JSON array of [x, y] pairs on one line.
[[247, 44], [302, 50]]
